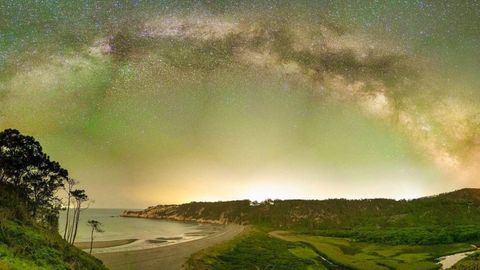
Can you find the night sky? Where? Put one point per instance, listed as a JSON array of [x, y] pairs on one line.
[[148, 102]]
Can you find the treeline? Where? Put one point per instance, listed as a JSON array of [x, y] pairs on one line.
[[444, 210], [420, 235], [38, 181], [230, 211]]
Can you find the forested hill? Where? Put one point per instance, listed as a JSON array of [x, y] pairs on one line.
[[461, 207]]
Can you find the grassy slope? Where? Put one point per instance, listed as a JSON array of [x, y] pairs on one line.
[[25, 245], [29, 247]]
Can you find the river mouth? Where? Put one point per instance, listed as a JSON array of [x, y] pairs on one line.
[[448, 261]]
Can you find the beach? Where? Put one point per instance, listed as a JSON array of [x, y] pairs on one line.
[[169, 257]]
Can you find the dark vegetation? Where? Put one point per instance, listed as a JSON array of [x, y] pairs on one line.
[[29, 209]]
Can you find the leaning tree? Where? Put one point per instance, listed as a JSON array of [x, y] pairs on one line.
[[96, 227]]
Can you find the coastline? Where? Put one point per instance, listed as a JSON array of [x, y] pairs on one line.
[[104, 244], [169, 257], [146, 215]]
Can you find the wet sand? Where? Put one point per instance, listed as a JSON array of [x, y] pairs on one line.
[[104, 244], [171, 257]]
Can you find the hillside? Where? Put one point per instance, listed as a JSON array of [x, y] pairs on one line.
[[444, 218], [24, 244], [460, 207]]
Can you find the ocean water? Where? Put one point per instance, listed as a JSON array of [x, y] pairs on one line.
[[146, 231]]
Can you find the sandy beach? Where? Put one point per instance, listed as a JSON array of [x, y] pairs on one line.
[[171, 257]]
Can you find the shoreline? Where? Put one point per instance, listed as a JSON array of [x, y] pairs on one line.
[[177, 219], [169, 257], [104, 244]]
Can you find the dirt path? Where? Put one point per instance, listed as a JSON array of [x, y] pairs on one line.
[[168, 257]]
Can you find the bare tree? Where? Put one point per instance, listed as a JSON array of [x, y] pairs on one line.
[[96, 227]]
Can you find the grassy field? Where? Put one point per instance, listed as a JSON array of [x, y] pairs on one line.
[[259, 249], [372, 256]]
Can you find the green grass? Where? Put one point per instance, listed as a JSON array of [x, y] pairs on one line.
[[308, 254], [24, 246], [8, 261], [372, 256]]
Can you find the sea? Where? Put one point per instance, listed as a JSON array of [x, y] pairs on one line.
[[149, 233]]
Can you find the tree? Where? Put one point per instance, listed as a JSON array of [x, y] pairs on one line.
[[41, 185], [24, 165], [28, 170], [96, 227], [80, 197], [70, 184]]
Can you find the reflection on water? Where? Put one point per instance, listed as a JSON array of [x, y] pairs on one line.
[[148, 232]]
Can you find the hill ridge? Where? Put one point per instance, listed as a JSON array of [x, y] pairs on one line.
[[460, 207]]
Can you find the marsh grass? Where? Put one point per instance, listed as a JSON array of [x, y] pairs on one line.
[[371, 256]]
